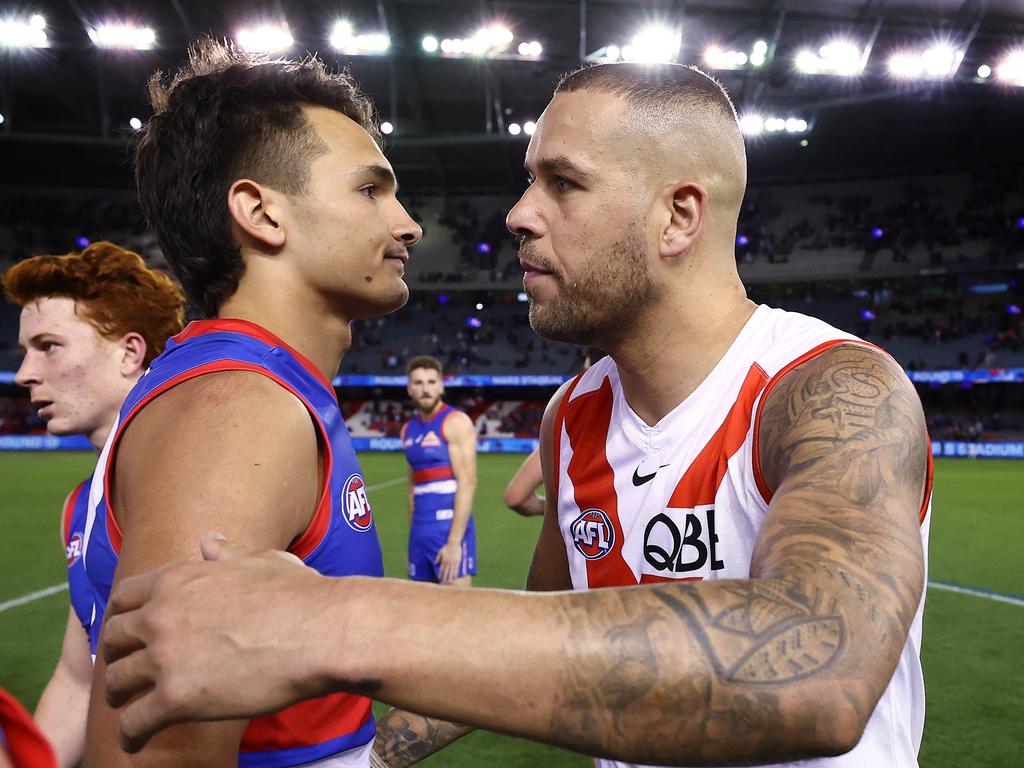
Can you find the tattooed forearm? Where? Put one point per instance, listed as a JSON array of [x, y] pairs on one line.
[[751, 671], [404, 738]]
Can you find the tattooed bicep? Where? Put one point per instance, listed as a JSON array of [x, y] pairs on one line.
[[847, 422]]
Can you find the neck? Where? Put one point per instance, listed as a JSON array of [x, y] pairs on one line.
[[671, 348], [98, 436], [298, 317], [427, 415]]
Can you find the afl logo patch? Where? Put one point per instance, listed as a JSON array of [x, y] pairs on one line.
[[357, 505], [74, 549], [593, 534]]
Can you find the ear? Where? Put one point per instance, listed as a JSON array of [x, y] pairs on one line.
[[687, 205], [256, 210], [134, 356]]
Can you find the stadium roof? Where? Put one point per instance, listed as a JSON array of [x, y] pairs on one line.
[[67, 107]]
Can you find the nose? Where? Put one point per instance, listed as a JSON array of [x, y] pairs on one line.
[[407, 231], [26, 375], [523, 220]]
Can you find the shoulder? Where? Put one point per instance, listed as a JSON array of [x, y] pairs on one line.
[[457, 423], [850, 399]]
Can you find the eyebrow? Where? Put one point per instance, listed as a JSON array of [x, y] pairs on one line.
[[36, 339], [560, 165], [381, 174]]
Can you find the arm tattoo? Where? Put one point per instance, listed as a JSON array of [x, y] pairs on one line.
[[404, 738], [758, 670]]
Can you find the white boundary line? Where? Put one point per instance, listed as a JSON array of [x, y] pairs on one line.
[[39, 594], [999, 598]]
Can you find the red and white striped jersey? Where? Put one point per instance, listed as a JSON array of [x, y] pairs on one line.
[[685, 499]]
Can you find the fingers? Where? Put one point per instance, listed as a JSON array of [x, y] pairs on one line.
[[120, 637], [127, 678], [143, 718], [132, 593]]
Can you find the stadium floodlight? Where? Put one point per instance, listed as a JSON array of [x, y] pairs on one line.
[[430, 44], [837, 57], [940, 61], [122, 35], [345, 39], [654, 44], [529, 127], [531, 50], [515, 129], [24, 33], [751, 125], [716, 58], [906, 65], [266, 38], [135, 124], [2, 118], [1010, 69], [387, 128], [984, 71]]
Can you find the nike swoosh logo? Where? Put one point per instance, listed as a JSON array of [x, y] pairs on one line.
[[639, 479]]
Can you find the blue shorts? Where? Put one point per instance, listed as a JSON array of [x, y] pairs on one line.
[[427, 539]]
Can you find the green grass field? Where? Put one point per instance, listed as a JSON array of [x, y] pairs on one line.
[[972, 646]]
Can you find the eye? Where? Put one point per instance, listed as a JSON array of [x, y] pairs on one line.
[[370, 190], [48, 346], [563, 184]]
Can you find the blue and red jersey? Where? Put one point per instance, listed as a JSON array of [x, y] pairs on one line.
[[433, 482], [73, 521], [341, 539], [20, 738]]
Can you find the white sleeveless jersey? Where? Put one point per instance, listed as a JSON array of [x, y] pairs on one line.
[[685, 499]]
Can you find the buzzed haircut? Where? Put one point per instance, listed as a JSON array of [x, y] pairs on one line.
[[652, 87], [424, 361], [229, 115]]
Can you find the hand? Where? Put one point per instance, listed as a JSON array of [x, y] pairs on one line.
[[209, 640], [448, 560]]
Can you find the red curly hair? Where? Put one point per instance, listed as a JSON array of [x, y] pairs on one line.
[[116, 291]]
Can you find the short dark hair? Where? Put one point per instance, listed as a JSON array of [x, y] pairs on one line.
[[424, 361], [228, 115], [651, 85]]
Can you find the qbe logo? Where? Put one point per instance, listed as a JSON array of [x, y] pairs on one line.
[[74, 549], [593, 534], [357, 506]]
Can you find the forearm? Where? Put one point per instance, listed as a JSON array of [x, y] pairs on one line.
[[735, 671], [531, 506], [404, 738], [61, 716], [463, 508]]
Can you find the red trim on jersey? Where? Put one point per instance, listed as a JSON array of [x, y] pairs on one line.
[[252, 330], [307, 723], [699, 484], [68, 512], [762, 485], [26, 745], [317, 528], [432, 474], [586, 423], [557, 431]]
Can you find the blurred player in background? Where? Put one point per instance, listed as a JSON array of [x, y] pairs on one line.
[[91, 323], [521, 493], [22, 745], [276, 209], [440, 446]]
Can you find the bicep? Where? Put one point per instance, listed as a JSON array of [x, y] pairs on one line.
[[75, 654], [843, 443], [238, 455], [461, 437], [549, 570], [528, 478]]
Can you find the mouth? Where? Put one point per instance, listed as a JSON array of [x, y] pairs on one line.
[[402, 256], [530, 269], [44, 408]]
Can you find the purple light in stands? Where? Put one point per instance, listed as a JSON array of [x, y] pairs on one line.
[[474, 322], [742, 240], [867, 314], [1020, 223], [1013, 309], [483, 247], [82, 241], [877, 232], [442, 299]]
